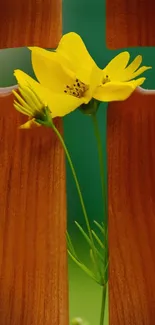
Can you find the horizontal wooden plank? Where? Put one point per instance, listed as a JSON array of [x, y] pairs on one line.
[[31, 22], [129, 23]]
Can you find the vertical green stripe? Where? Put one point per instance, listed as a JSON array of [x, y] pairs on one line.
[[87, 18]]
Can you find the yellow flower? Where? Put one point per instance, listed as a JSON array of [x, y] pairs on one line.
[[30, 100], [26, 101], [72, 90], [78, 321], [72, 73], [118, 78]]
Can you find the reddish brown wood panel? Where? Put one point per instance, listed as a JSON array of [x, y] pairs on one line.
[[130, 23], [131, 178], [33, 263], [32, 246], [131, 157], [33, 277], [30, 22]]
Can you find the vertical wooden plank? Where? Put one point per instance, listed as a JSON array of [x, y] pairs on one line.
[[131, 176], [33, 272], [131, 159], [33, 277]]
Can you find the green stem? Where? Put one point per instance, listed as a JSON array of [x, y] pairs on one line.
[[78, 188], [103, 305], [101, 163], [103, 184]]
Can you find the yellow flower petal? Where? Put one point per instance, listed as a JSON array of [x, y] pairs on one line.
[[59, 104], [95, 80], [25, 80], [44, 94], [46, 53], [24, 110], [49, 72], [140, 71], [117, 91], [73, 53], [53, 55], [131, 68], [72, 47], [31, 97], [29, 124], [74, 60], [84, 75], [116, 66], [117, 69], [63, 104]]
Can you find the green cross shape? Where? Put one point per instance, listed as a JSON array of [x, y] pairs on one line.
[[87, 18]]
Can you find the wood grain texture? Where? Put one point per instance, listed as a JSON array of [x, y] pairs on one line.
[[131, 157], [130, 23], [33, 273], [131, 181], [33, 277], [33, 260], [31, 22]]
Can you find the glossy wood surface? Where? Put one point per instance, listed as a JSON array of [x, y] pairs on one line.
[[33, 279], [131, 157], [130, 23], [30, 22], [33, 270], [32, 248], [33, 264], [131, 176]]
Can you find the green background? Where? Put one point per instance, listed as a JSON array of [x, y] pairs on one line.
[[86, 17]]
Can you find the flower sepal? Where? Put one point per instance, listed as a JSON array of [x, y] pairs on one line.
[[90, 108], [46, 118]]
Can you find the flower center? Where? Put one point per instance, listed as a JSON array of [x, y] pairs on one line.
[[106, 79], [77, 89]]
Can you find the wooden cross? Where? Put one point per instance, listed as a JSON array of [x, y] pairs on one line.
[[33, 263]]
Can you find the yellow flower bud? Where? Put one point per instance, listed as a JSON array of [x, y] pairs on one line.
[[77, 321]]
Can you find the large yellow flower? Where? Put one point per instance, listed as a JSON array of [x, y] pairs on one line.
[[32, 97], [72, 73]]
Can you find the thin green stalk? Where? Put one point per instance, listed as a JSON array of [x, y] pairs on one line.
[[101, 162], [103, 304], [101, 228], [78, 188], [98, 239], [103, 184]]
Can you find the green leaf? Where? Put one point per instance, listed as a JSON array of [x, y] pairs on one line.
[[106, 267], [101, 228], [88, 240], [93, 261], [70, 245], [84, 268], [84, 233], [97, 239], [100, 256]]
